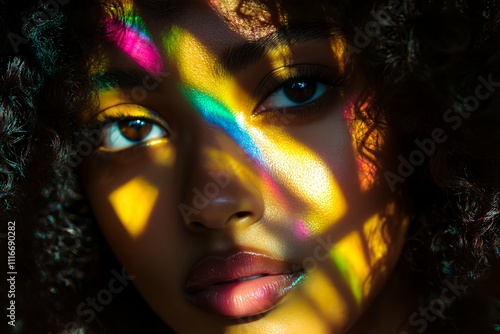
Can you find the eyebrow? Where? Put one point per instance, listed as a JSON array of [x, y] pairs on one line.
[[233, 59], [126, 79], [236, 58]]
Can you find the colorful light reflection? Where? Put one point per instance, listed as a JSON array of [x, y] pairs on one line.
[[217, 114], [136, 43], [366, 168], [300, 231], [302, 173]]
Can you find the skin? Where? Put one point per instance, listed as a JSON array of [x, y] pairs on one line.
[[295, 182]]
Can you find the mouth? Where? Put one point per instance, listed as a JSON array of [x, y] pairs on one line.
[[243, 284]]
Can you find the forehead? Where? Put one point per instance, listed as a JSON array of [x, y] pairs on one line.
[[252, 19], [202, 41], [219, 24]]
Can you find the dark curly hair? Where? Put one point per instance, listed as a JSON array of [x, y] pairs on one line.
[[424, 62]]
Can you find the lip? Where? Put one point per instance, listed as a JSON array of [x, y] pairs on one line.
[[241, 284]]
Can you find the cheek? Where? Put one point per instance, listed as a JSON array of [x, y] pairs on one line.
[[312, 172], [136, 207], [351, 238], [134, 202]]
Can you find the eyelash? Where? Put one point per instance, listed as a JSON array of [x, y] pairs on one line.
[[270, 85], [273, 83], [101, 125]]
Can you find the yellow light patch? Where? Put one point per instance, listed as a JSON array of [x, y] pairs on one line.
[[331, 307], [133, 203], [194, 60], [196, 69], [375, 239], [111, 97], [223, 161]]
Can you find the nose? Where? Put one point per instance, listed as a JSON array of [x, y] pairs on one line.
[[223, 191]]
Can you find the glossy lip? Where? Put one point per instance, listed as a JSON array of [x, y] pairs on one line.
[[241, 284]]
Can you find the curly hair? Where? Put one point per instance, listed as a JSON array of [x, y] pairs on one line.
[[424, 61], [44, 87], [438, 65]]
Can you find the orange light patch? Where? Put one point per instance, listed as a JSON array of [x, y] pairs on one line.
[[372, 143]]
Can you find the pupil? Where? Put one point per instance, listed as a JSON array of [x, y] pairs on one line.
[[300, 91], [134, 130]]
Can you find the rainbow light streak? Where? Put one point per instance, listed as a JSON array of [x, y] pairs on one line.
[[133, 203], [136, 43], [313, 182], [349, 257], [316, 188], [217, 114]]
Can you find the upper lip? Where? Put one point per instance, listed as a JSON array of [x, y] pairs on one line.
[[216, 269]]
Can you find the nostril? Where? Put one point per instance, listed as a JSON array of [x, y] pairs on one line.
[[243, 214], [197, 226]]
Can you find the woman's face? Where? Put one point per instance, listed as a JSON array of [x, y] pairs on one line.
[[228, 181]]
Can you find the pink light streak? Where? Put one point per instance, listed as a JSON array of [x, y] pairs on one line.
[[300, 231], [138, 46]]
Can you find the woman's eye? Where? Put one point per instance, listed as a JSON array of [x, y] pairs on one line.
[[125, 133], [294, 94]]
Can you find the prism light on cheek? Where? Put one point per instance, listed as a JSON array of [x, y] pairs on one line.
[[133, 203], [360, 254], [318, 191]]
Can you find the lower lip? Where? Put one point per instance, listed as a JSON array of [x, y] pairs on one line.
[[246, 298]]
